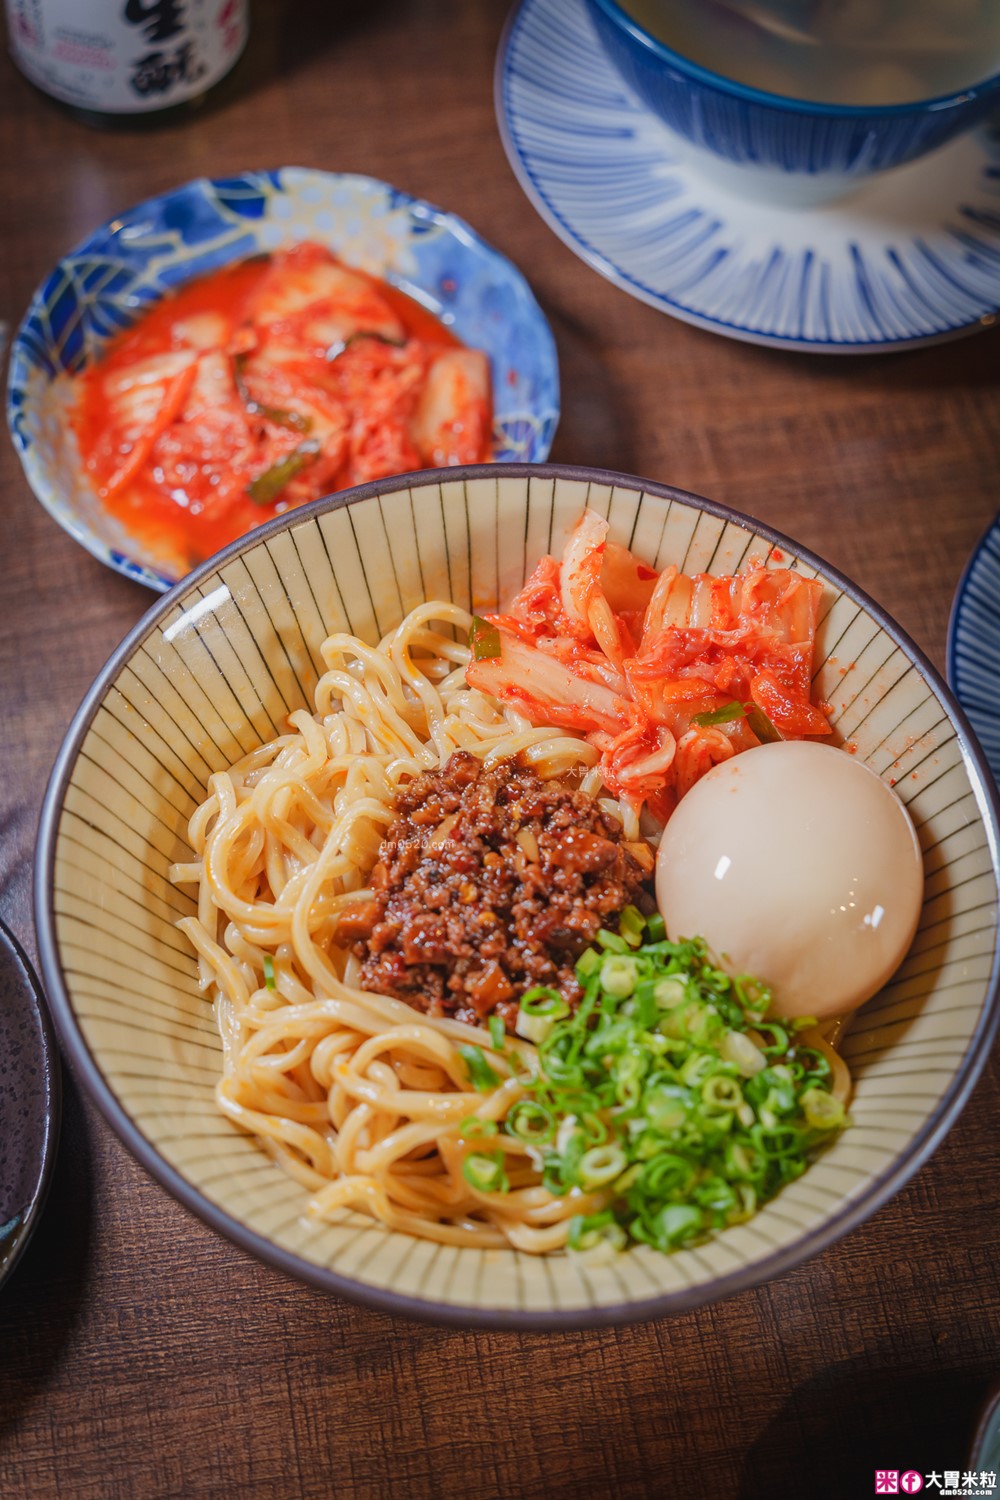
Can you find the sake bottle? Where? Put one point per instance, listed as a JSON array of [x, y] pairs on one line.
[[119, 61]]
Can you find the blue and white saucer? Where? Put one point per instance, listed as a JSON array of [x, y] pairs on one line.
[[974, 644], [911, 257]]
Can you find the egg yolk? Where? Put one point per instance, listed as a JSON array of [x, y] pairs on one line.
[[798, 865]]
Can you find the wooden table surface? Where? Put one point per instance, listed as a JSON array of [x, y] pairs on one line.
[[140, 1355]]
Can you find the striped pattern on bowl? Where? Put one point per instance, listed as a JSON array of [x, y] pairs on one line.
[[213, 670], [974, 643], [790, 135]]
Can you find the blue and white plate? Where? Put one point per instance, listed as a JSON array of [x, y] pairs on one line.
[[118, 271], [974, 644], [911, 257]]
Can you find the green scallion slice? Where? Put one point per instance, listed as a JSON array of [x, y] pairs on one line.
[[337, 349], [656, 928], [485, 1172], [761, 725], [498, 1033], [677, 1223], [531, 1122], [618, 975], [588, 961], [276, 414], [269, 972], [600, 1165], [727, 714], [481, 1075], [632, 925], [587, 1233], [484, 639], [822, 1111], [653, 1092], [265, 489], [545, 1003]]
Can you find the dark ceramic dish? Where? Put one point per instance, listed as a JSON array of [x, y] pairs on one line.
[[29, 1101]]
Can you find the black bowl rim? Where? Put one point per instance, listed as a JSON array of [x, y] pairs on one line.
[[88, 1070], [48, 1057]]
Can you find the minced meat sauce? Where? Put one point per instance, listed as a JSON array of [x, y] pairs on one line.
[[490, 882]]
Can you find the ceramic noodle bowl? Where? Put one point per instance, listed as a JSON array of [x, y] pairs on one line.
[[214, 669]]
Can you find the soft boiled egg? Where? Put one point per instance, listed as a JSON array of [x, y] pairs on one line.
[[798, 865]]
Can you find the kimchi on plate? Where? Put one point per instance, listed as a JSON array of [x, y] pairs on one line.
[[265, 385]]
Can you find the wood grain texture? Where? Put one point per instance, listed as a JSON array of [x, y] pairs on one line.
[[140, 1355]]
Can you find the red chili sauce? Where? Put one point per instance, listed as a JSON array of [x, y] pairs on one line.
[[265, 385]]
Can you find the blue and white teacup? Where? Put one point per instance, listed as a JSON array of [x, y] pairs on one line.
[[768, 144]]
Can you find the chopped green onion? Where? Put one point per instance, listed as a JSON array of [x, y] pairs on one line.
[[594, 1130], [588, 961], [632, 925], [337, 349], [532, 1122], [817, 1064], [762, 726], [267, 486], [538, 1012], [485, 1172], [597, 1230], [665, 1173], [473, 1126], [697, 1066], [720, 1092], [728, 713], [553, 1178], [484, 639], [718, 1196], [655, 1093], [670, 992], [776, 1140], [678, 1222], [748, 1203], [704, 1025], [744, 1054], [656, 928], [269, 972], [560, 1061], [778, 1045], [482, 1076], [724, 715], [618, 976], [544, 1002], [823, 1111], [498, 1033], [275, 414], [601, 1165], [666, 1107]]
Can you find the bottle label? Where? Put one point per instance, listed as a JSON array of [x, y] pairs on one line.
[[126, 56]]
